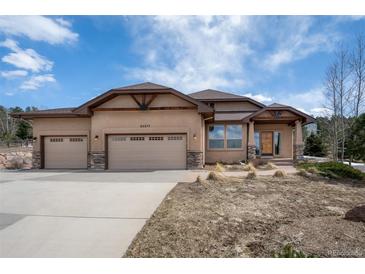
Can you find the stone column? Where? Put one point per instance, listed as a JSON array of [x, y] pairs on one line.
[[96, 160], [251, 148], [298, 145]]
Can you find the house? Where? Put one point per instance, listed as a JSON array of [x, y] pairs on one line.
[[149, 126]]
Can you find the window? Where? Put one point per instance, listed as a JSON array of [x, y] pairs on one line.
[[216, 136], [257, 142], [277, 142], [234, 136]]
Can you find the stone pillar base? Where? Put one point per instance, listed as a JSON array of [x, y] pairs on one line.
[[96, 160], [194, 159], [251, 152], [298, 153], [36, 160]]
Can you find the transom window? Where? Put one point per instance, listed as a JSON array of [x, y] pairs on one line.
[[225, 136]]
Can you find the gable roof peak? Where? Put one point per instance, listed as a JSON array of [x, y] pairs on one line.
[[276, 105], [144, 85], [213, 94]]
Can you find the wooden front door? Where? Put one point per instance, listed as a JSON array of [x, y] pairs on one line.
[[266, 143]]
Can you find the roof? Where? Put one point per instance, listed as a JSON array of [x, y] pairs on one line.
[[213, 94], [277, 105], [55, 112], [307, 118], [143, 88], [84, 109]]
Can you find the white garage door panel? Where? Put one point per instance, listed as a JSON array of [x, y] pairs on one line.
[[133, 152], [65, 152]]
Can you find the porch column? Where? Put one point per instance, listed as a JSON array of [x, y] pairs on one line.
[[298, 145], [251, 148]]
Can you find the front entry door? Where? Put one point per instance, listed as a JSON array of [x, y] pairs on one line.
[[266, 143]]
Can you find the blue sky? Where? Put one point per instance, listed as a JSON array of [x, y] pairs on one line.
[[63, 61]]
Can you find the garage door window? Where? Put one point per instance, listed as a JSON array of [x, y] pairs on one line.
[[136, 138]]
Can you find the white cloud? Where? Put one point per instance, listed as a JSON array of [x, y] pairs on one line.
[[296, 40], [37, 81], [13, 73], [39, 28], [259, 97], [27, 59], [222, 52], [310, 101], [190, 52]]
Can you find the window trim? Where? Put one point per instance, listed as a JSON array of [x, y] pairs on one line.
[[225, 140]]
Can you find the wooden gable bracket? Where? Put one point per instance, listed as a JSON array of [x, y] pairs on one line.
[[144, 105]]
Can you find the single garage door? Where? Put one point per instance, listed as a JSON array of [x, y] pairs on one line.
[[65, 152], [146, 152]]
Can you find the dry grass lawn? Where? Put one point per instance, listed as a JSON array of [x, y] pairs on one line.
[[238, 217]]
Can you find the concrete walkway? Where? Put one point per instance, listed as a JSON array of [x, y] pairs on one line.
[[80, 213]]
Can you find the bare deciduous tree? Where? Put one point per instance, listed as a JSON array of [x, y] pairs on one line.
[[357, 63]]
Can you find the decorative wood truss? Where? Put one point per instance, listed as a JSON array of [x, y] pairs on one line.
[[143, 102]]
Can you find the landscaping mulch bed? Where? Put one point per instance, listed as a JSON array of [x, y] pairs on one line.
[[237, 217]]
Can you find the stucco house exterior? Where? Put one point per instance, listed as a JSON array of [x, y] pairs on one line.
[[150, 126]]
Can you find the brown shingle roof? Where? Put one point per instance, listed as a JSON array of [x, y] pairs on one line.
[[276, 105], [214, 94], [144, 86], [55, 112]]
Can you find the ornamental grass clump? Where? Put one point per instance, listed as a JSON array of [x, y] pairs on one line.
[[279, 173]]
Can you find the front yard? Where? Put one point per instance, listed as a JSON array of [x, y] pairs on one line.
[[239, 217]]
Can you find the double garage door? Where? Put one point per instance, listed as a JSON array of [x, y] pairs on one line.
[[125, 152], [133, 152]]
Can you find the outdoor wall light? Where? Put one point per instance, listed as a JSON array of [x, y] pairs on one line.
[[96, 137], [34, 138], [194, 136]]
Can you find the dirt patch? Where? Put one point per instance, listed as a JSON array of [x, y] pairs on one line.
[[253, 218]]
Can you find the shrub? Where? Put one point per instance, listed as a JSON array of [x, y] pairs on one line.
[[313, 170], [219, 167], [199, 180], [289, 252], [214, 176], [251, 174], [249, 167], [271, 165], [279, 173], [302, 172], [335, 170]]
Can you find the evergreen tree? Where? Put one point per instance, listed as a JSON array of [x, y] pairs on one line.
[[314, 146]]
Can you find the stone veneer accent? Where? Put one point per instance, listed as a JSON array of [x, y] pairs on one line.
[[251, 152], [96, 160], [298, 152], [194, 159], [36, 160]]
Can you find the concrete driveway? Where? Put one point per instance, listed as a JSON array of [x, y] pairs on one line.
[[79, 213]]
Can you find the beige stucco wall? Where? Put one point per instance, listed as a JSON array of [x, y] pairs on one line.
[[226, 155], [286, 133], [59, 126], [234, 106], [146, 122]]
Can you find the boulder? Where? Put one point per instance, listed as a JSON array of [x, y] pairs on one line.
[[357, 214]]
